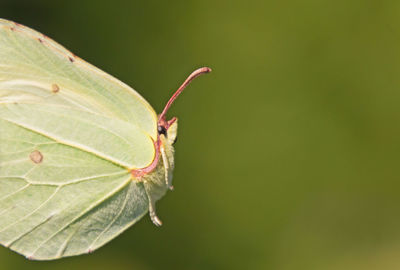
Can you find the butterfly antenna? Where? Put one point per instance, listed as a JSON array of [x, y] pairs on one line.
[[191, 77]]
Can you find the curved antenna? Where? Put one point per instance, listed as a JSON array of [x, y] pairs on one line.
[[191, 77]]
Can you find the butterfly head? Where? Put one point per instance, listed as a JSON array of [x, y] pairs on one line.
[[168, 129]]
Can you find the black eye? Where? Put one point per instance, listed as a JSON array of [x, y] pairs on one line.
[[162, 130]]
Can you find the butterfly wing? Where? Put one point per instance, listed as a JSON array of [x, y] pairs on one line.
[[38, 66], [69, 136]]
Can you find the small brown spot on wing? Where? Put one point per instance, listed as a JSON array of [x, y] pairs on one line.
[[55, 88], [71, 59], [36, 157], [40, 40], [12, 28]]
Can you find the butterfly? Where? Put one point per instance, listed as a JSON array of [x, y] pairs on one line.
[[82, 155]]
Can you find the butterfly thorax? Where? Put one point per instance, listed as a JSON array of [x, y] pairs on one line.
[[159, 180]]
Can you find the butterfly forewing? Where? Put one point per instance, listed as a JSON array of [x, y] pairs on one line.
[[69, 136]]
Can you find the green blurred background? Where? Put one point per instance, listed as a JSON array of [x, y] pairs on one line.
[[288, 152]]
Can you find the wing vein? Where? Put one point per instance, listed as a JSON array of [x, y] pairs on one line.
[[94, 124], [71, 144], [111, 222], [16, 192], [85, 211], [33, 212]]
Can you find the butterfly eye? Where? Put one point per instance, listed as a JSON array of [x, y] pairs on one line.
[[162, 130]]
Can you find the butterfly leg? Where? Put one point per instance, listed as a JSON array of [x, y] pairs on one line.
[[166, 167], [152, 211], [153, 216]]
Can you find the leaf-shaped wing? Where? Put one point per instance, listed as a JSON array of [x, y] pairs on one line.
[[34, 67], [69, 136], [57, 200]]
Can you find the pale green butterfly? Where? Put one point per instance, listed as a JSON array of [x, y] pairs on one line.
[[82, 155]]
